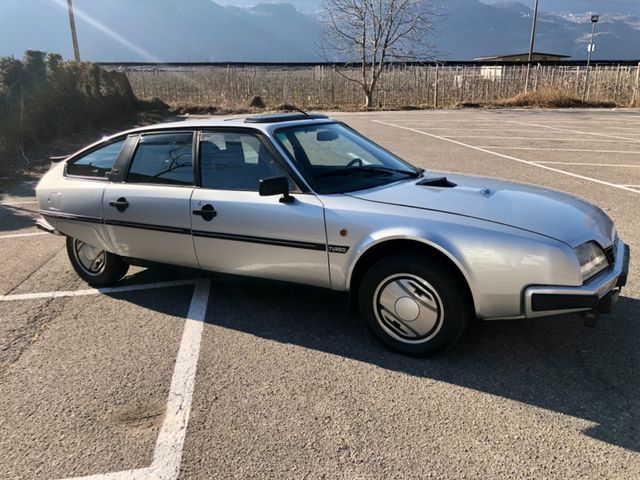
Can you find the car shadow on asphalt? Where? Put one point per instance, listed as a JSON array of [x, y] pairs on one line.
[[551, 363], [17, 217]]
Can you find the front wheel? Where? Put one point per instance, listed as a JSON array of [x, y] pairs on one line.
[[97, 267], [414, 304]]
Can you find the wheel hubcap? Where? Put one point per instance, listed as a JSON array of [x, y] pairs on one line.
[[91, 259], [408, 308]]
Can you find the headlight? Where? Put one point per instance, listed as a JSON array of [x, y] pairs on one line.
[[592, 260]]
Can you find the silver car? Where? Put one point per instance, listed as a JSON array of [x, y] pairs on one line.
[[303, 198]]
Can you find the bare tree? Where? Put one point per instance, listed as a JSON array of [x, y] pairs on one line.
[[372, 32]]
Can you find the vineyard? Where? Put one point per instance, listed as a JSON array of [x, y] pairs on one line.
[[429, 86]]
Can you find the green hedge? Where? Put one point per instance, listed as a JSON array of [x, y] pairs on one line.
[[42, 97]]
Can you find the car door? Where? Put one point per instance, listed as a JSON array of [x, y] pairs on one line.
[[235, 230], [74, 206], [148, 214]]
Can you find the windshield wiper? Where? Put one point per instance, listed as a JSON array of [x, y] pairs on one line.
[[367, 170], [417, 173]]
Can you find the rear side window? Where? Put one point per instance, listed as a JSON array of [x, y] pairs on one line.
[[163, 158], [98, 163]]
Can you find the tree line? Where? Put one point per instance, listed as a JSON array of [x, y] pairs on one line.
[[42, 96]]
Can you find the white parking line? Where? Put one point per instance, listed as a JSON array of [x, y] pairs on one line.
[[546, 139], [475, 129], [167, 456], [10, 204], [566, 130], [93, 291], [586, 164], [509, 157], [633, 152], [19, 235]]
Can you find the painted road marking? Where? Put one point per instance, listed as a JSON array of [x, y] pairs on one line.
[[94, 291], [19, 235], [546, 139], [509, 157], [566, 130], [167, 456], [11, 204], [472, 129], [634, 152], [590, 164]]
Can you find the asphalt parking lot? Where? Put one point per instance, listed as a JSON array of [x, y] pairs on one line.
[[175, 375]]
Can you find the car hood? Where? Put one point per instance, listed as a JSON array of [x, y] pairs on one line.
[[563, 217]]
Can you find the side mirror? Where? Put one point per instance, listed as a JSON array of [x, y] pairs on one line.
[[276, 186], [326, 136]]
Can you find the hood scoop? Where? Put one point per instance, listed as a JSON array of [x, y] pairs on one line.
[[441, 182]]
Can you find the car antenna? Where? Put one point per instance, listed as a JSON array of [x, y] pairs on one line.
[[293, 107]]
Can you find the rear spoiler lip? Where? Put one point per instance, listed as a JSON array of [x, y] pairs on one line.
[[59, 158], [45, 226]]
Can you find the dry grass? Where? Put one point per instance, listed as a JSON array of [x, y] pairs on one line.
[[235, 88], [548, 98]]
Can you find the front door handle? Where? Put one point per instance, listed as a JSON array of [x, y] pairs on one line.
[[207, 212], [121, 204]]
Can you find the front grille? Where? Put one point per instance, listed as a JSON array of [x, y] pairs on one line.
[[610, 253]]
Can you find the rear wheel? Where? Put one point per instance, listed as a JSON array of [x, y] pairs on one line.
[[95, 266], [414, 304]]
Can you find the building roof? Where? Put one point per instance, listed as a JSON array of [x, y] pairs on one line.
[[525, 54]]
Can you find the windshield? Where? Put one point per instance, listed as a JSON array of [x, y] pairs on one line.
[[334, 159]]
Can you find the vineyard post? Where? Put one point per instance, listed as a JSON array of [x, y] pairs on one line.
[[435, 90], [617, 84], [636, 90]]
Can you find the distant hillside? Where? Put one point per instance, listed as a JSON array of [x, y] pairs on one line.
[[202, 30], [163, 30], [629, 7]]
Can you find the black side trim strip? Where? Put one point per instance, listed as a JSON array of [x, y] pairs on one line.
[[146, 226], [341, 249], [70, 216], [261, 240], [542, 302]]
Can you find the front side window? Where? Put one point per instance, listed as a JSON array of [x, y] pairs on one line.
[[165, 158], [333, 158], [98, 163], [236, 161]]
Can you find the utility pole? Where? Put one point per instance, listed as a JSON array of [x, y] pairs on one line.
[[592, 47], [531, 45], [74, 36]]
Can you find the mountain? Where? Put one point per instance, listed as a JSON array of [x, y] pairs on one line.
[[259, 30], [504, 27], [628, 7], [160, 30]]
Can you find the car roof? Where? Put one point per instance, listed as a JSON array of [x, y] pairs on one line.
[[266, 123]]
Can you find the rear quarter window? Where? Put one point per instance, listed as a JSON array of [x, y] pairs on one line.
[[98, 163]]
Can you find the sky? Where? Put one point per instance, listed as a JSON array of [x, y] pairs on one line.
[[166, 30]]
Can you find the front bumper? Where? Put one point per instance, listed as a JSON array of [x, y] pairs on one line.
[[599, 294]]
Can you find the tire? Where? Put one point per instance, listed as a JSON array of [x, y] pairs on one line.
[[414, 304], [98, 268]]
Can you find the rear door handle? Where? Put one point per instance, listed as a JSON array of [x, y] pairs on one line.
[[207, 212], [121, 204]]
